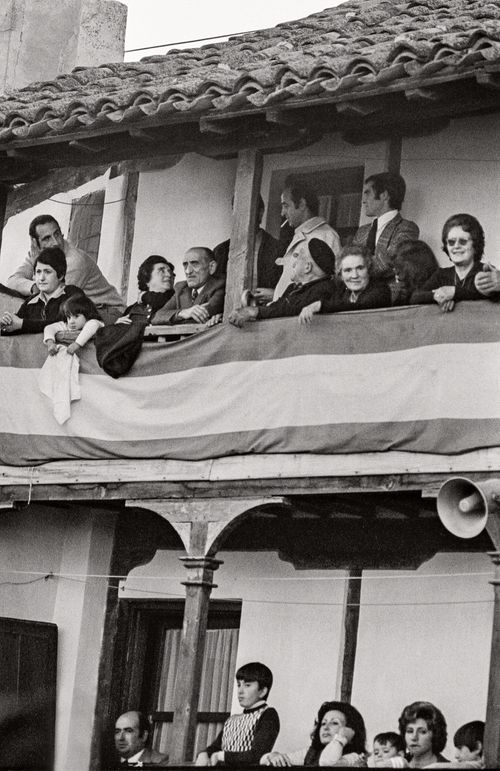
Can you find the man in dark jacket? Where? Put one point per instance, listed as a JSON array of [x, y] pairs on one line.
[[201, 296], [312, 269]]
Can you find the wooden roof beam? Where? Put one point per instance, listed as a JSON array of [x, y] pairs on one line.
[[217, 126]]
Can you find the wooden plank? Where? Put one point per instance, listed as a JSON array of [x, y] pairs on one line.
[[4, 196], [394, 150], [396, 468], [173, 330], [351, 625], [129, 210], [492, 731], [241, 249], [58, 181]]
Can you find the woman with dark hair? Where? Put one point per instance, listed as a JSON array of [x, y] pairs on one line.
[[338, 739], [118, 345], [415, 263], [423, 728], [463, 242], [155, 279]]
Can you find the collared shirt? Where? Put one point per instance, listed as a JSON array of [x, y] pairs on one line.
[[45, 298], [384, 220], [134, 760]]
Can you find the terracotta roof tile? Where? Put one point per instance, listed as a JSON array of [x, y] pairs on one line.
[[354, 47]]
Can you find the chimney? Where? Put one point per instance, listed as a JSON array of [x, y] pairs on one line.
[[40, 39]]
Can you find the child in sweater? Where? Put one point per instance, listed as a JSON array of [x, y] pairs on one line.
[[247, 736], [81, 316]]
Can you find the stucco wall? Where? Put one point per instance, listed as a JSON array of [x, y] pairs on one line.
[[71, 544], [423, 634], [455, 170]]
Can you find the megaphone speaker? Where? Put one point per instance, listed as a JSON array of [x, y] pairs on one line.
[[464, 506]]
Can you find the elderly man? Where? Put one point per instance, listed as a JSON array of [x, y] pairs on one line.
[[200, 297], [132, 730], [82, 270], [313, 264], [300, 206], [383, 196]]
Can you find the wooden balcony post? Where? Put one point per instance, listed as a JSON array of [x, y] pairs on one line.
[[242, 245], [187, 684], [4, 193], [492, 732]]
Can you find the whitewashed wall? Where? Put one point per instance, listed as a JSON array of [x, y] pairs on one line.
[[16, 242], [76, 543], [422, 635], [455, 170], [186, 205]]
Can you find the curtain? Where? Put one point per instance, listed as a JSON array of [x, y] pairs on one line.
[[216, 687]]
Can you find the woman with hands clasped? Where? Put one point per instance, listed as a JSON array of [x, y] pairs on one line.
[[338, 738], [355, 288]]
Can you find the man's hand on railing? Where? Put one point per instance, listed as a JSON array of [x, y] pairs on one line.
[[214, 320], [198, 313], [240, 315]]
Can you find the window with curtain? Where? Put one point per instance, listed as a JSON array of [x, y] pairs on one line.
[[216, 686], [151, 663]]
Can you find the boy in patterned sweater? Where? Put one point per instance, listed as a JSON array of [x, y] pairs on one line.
[[247, 736]]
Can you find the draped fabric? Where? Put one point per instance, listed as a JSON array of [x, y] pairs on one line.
[[411, 379], [216, 685]]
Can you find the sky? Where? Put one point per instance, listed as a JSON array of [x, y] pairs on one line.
[[156, 22]]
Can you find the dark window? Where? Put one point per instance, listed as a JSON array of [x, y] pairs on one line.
[[28, 658], [154, 640], [85, 222], [339, 192]]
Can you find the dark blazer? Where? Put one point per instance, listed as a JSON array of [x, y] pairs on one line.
[[376, 295], [212, 294], [395, 232], [268, 273], [295, 297]]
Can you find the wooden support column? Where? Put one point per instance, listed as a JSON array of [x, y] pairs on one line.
[[242, 245], [492, 732], [394, 149], [198, 585], [4, 194], [129, 210], [351, 624]]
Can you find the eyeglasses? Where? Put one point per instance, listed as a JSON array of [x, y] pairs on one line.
[[459, 241]]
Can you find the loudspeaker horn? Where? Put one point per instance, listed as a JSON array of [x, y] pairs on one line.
[[464, 506]]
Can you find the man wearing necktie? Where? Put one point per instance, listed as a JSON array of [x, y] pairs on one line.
[[132, 730], [383, 196], [200, 298]]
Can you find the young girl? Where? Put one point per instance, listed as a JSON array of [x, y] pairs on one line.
[[81, 316], [338, 738]]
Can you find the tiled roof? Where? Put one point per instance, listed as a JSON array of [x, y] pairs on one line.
[[356, 48]]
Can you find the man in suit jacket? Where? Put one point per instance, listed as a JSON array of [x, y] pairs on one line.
[[201, 296], [132, 730], [383, 196]]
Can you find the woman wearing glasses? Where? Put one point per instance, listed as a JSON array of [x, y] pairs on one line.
[[338, 739], [463, 242]]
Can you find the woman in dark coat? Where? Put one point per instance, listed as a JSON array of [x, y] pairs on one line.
[[355, 288], [463, 242]]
